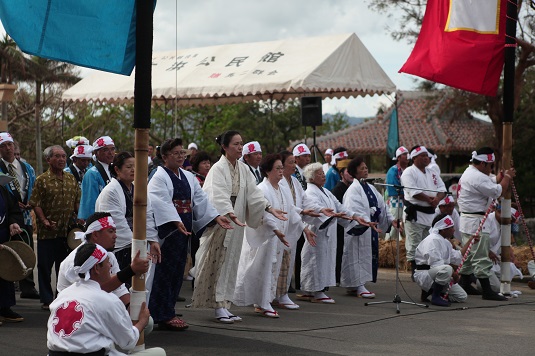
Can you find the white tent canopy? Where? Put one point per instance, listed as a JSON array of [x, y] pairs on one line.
[[330, 66]]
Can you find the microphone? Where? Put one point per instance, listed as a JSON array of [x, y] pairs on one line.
[[370, 180]]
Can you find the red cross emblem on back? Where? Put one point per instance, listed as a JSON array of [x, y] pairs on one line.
[[68, 318], [251, 148], [301, 149]]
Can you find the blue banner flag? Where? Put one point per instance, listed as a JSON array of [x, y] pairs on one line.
[[99, 34], [393, 134]]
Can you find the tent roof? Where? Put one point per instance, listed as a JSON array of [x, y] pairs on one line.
[[330, 66]]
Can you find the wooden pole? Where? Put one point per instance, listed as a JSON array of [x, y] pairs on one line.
[[142, 108], [508, 107]]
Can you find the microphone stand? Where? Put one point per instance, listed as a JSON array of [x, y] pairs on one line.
[[397, 299]]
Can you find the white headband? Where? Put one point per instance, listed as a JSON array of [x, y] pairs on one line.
[[97, 256], [489, 157], [76, 141], [82, 151], [300, 150], [102, 142], [447, 200], [5, 137], [444, 223], [418, 150], [97, 225]]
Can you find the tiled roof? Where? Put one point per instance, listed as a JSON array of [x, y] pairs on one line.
[[423, 119]]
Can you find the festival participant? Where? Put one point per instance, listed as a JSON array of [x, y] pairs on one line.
[[475, 192], [436, 257], [117, 198], [338, 191], [426, 190], [447, 206], [493, 227], [232, 190], [328, 155], [332, 177], [101, 230], [261, 255], [201, 162], [318, 270], [97, 177], [302, 158], [21, 189], [80, 161], [252, 156], [10, 222], [85, 319], [393, 176], [292, 255], [55, 200], [360, 260], [433, 163], [180, 206]]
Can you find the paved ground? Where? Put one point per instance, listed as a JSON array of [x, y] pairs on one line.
[[348, 327]]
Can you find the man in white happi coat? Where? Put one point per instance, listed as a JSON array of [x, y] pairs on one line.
[[84, 319], [493, 227], [423, 190], [476, 190], [100, 229], [435, 258]]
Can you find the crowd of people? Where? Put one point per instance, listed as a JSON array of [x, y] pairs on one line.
[[249, 229]]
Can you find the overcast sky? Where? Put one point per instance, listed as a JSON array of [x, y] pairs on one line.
[[211, 22]]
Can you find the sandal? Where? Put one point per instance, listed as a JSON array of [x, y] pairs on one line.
[[326, 300], [175, 324], [290, 306], [224, 320], [235, 318], [267, 313], [367, 295], [305, 297]]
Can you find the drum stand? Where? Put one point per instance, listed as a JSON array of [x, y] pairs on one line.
[[397, 299]]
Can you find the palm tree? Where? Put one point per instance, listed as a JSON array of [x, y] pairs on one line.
[[43, 71]]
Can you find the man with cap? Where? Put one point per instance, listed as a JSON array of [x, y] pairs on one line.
[[252, 156], [424, 189], [55, 200], [10, 221], [435, 259], [98, 176], [476, 189], [393, 176], [332, 177], [21, 188], [302, 158], [80, 161], [328, 158], [85, 319]]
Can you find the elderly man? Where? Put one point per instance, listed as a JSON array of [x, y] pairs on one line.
[[98, 176], [424, 189], [21, 189], [80, 161], [55, 200], [393, 176], [302, 158], [252, 156], [477, 188], [85, 320]]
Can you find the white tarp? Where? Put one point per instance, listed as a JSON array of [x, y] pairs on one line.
[[330, 66]]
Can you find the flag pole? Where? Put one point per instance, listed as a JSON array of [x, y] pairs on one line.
[[142, 107], [508, 111]]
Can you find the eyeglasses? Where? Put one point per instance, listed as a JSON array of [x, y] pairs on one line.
[[279, 168]]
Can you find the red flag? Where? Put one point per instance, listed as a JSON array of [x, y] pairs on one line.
[[461, 44]]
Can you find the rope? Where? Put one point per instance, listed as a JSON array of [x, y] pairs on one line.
[[465, 256], [526, 230]]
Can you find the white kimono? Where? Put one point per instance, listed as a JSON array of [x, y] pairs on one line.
[[357, 256], [249, 207], [319, 262], [112, 200], [261, 256]]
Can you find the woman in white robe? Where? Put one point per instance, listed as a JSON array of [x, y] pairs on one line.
[[232, 189], [319, 262], [261, 256]]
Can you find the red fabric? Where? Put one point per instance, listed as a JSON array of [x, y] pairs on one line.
[[462, 59]]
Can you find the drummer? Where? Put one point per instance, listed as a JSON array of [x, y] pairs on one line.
[[10, 222]]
